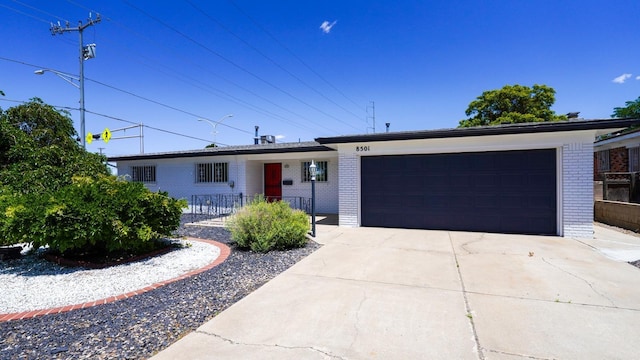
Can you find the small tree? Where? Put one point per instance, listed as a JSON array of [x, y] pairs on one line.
[[512, 104], [39, 151], [631, 110]]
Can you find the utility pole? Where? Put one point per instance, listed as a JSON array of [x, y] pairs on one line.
[[372, 116], [86, 53]]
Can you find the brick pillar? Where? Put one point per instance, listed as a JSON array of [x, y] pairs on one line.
[[577, 190], [349, 187]]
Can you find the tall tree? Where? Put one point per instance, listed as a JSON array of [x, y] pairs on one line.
[[512, 104], [39, 150], [631, 110]]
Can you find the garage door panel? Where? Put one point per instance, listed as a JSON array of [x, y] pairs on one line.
[[512, 192]]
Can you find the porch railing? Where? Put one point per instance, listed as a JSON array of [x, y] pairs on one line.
[[215, 205], [219, 205]]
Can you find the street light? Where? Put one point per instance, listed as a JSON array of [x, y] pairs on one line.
[[64, 76], [69, 78], [313, 170], [215, 124]]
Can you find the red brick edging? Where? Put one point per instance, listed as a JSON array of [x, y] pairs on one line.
[[224, 253]]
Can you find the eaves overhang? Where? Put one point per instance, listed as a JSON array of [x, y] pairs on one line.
[[509, 129], [231, 150]]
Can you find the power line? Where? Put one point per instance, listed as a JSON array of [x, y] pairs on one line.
[[259, 26], [269, 58], [152, 127], [39, 10], [159, 103], [24, 13], [218, 92], [243, 69], [132, 94], [117, 119]]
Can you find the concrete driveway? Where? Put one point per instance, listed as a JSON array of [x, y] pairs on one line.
[[373, 293]]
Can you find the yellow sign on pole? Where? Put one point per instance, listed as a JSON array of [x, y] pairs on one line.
[[106, 135], [89, 138]]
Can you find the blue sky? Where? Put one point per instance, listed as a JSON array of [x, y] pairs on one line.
[[273, 64]]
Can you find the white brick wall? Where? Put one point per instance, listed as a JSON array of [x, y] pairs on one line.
[[177, 176], [577, 190], [349, 184], [326, 192]]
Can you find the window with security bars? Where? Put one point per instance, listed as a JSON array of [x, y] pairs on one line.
[[144, 174], [634, 159], [603, 160], [322, 174], [212, 173]]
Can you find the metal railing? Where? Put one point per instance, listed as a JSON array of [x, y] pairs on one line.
[[215, 205], [296, 202], [220, 205]]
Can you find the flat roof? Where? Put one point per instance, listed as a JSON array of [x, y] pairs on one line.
[[506, 129], [277, 148]]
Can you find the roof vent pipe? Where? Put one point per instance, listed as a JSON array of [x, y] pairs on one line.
[[256, 138], [387, 125]]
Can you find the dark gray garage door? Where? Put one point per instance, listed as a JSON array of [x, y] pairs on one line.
[[502, 191]]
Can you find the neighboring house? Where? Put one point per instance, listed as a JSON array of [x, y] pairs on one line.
[[618, 156], [521, 178], [617, 153]]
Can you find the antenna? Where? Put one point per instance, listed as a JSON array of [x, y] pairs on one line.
[[372, 116]]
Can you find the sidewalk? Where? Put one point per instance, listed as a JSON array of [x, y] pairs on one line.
[[373, 293]]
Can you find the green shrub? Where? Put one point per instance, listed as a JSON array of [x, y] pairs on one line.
[[263, 226], [91, 216]]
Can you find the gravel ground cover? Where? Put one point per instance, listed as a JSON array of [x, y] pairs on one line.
[[138, 327], [33, 283]]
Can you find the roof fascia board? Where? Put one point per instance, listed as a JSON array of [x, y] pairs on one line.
[[469, 144], [252, 151], [530, 128]]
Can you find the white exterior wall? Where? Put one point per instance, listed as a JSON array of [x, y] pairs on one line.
[[177, 177], [577, 190], [326, 192], [255, 172]]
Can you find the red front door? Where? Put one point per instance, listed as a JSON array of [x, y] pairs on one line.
[[273, 181]]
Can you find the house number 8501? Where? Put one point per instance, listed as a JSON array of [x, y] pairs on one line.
[[363, 148]]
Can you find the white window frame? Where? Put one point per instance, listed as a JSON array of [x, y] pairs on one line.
[[322, 174]]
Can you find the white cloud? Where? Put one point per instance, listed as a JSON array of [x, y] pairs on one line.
[[637, 77], [280, 137], [326, 26], [622, 78]]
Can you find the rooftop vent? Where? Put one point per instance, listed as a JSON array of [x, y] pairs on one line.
[[573, 115], [267, 139]]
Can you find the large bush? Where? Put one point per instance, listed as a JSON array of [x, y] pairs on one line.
[[99, 215], [53, 192], [263, 226]]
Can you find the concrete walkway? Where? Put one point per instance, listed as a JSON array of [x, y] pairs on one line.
[[373, 293]]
